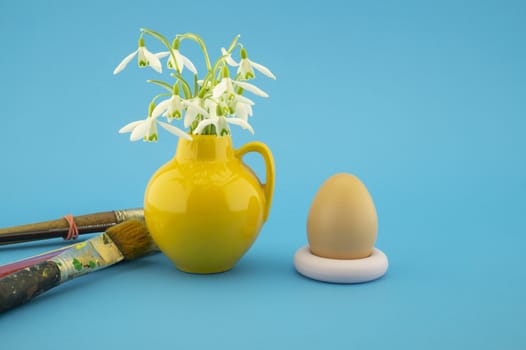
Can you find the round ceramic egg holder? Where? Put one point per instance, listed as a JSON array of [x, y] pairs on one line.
[[341, 270]]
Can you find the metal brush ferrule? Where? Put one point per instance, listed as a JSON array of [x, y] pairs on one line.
[[129, 214], [92, 255]]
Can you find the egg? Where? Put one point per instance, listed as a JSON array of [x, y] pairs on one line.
[[342, 221]]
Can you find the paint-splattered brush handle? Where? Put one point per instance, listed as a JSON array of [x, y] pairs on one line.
[[8, 269], [22, 286], [82, 258]]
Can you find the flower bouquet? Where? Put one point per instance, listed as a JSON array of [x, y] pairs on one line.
[[208, 105]]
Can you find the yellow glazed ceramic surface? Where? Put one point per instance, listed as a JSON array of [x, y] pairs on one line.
[[205, 207]]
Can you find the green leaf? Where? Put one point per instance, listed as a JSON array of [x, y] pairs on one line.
[[161, 83]]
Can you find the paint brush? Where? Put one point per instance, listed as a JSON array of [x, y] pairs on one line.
[[26, 262], [126, 241], [68, 227]]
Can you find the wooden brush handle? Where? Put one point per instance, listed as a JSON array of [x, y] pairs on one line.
[[22, 286], [89, 223], [61, 226]]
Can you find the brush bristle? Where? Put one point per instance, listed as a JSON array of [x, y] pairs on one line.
[[132, 238]]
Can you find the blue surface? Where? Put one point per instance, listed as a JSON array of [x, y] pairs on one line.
[[424, 101]]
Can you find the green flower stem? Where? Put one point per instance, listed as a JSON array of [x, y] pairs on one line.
[[152, 103], [202, 93], [161, 83], [186, 88], [233, 43], [201, 43], [212, 73], [151, 106], [220, 60], [175, 88], [160, 95]]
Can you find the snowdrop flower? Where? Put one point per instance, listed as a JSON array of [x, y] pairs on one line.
[[147, 129], [219, 121], [225, 87], [240, 105], [243, 107], [193, 108], [142, 129], [249, 87], [172, 108], [229, 60], [146, 58], [216, 109], [182, 60], [246, 67]]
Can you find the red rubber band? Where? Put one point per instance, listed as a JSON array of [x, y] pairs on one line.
[[73, 232]]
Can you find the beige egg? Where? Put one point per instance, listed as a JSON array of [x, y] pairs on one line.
[[342, 221]]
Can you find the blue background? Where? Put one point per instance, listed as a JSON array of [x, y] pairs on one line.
[[425, 101]]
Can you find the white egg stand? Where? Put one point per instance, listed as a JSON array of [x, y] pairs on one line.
[[341, 270]]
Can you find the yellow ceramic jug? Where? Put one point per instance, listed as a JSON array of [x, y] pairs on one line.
[[205, 207]]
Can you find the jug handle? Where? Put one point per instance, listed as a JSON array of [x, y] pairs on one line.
[[268, 187]]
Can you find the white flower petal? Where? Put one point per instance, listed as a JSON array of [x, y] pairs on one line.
[[249, 87], [221, 126], [229, 60], [124, 62], [241, 123], [175, 108], [189, 117], [129, 127], [194, 105], [201, 82], [212, 108], [140, 131], [153, 61], [224, 87], [179, 60], [175, 131], [171, 62], [160, 108], [243, 99], [151, 135], [245, 69], [204, 123], [243, 111], [219, 89], [162, 54], [263, 69], [188, 64], [142, 60]]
